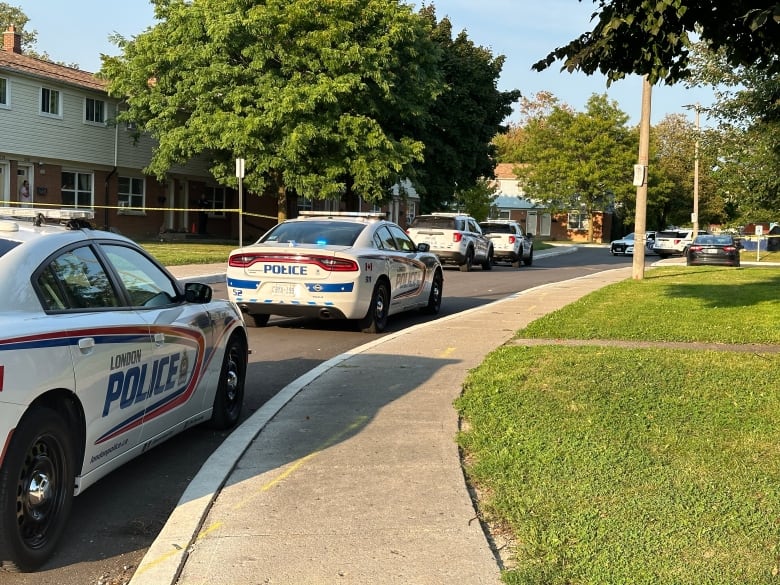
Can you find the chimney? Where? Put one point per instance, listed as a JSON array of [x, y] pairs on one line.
[[12, 40]]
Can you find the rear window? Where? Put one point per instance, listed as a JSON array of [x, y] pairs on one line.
[[671, 234], [320, 233], [496, 228], [7, 245], [435, 221]]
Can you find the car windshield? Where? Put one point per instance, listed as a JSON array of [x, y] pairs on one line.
[[320, 233], [496, 228]]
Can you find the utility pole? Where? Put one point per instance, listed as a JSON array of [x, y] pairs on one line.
[[640, 181], [695, 215]]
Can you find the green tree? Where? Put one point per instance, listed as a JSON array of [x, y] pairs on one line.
[[579, 160], [747, 144], [317, 96], [653, 37], [509, 144], [464, 119], [15, 16], [476, 200]]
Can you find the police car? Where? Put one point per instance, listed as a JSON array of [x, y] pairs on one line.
[[335, 266], [103, 355]]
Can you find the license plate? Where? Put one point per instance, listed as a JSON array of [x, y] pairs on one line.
[[285, 290], [711, 251]]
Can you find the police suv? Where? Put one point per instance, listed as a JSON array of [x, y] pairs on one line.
[[335, 265], [103, 355]]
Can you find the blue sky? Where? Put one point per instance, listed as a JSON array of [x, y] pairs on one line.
[[524, 31]]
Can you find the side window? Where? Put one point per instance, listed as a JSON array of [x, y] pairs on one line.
[[388, 243], [76, 280], [401, 239], [146, 284]]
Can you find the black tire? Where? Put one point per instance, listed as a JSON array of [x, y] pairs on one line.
[[258, 320], [530, 260], [36, 490], [434, 299], [466, 266], [516, 263], [229, 398], [375, 320], [488, 263]]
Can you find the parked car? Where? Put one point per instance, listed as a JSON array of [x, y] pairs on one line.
[[625, 245], [673, 242], [714, 249], [455, 238], [510, 244], [103, 355], [327, 265]]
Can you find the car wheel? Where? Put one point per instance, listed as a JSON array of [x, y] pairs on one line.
[[488, 263], [434, 299], [466, 266], [36, 490], [375, 320], [516, 263], [530, 260], [259, 320], [229, 398]]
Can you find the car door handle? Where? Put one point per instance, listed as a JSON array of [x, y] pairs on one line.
[[159, 339], [87, 345]]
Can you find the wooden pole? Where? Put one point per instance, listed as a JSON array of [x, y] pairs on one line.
[[640, 218]]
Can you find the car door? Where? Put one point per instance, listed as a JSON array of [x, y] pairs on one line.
[[183, 346], [109, 345], [481, 242], [406, 272]]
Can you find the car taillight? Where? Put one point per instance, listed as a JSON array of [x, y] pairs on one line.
[[243, 260], [328, 263], [457, 237], [335, 264], [696, 248], [729, 249], [511, 239]]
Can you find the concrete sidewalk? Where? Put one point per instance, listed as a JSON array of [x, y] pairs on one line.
[[351, 474]]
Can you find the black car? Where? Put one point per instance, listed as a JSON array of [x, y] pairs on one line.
[[713, 249]]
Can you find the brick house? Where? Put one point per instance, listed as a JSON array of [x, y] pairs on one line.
[[536, 219]]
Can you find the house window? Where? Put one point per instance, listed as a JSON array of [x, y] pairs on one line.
[[77, 189], [51, 102], [95, 111], [578, 220], [216, 197], [304, 204], [3, 92], [132, 194]]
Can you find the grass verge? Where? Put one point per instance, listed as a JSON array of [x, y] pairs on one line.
[[623, 465], [179, 253]]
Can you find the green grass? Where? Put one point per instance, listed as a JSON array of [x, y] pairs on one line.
[[624, 465], [178, 253]]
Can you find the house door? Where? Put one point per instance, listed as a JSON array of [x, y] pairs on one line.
[[546, 224], [24, 186]]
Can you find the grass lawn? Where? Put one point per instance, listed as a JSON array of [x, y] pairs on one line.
[[613, 465], [179, 253]]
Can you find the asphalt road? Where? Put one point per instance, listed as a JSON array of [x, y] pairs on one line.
[[116, 520]]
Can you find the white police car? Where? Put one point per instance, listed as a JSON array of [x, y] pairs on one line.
[[103, 355], [335, 266]]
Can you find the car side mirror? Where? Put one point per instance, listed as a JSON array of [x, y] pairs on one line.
[[529, 236], [196, 292], [423, 247]]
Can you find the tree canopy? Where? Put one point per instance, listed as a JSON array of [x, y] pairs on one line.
[[317, 96], [578, 161], [654, 37], [327, 99]]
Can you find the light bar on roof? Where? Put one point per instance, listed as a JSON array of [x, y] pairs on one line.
[[47, 213], [367, 214]]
